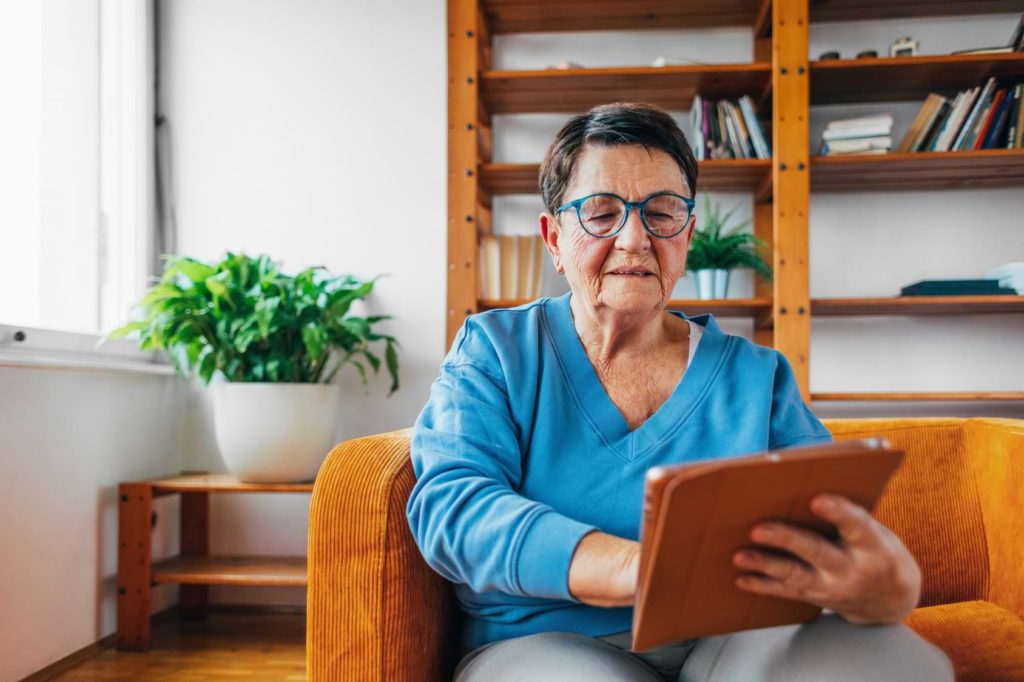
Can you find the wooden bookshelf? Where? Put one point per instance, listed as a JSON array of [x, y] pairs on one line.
[[783, 82], [724, 175], [576, 90], [918, 305], [918, 170], [835, 81]]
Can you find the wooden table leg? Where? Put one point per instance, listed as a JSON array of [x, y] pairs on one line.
[[134, 566], [195, 540]]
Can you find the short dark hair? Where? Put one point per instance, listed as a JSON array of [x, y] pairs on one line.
[[612, 124]]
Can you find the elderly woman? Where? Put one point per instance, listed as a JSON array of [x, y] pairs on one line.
[[531, 453]]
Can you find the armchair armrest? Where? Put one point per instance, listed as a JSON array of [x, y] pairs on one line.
[[375, 609], [995, 450]]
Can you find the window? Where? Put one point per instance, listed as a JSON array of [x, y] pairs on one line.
[[77, 218]]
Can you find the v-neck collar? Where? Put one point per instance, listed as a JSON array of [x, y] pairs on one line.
[[602, 413]]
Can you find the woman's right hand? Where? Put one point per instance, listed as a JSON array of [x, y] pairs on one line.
[[604, 570]]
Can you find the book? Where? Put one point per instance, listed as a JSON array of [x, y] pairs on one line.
[[753, 125], [872, 121], [852, 133], [956, 119], [984, 50], [490, 268], [957, 287], [989, 116], [1013, 123], [1019, 142], [697, 127], [864, 144], [931, 123], [929, 105], [972, 118], [998, 128], [509, 266], [936, 126]]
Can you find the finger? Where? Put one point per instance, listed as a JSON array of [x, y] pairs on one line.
[[856, 527], [759, 584], [792, 572], [808, 545]]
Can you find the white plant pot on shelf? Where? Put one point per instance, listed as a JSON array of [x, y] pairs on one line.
[[712, 284], [274, 432]]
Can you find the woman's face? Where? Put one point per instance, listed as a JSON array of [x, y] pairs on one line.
[[596, 267]]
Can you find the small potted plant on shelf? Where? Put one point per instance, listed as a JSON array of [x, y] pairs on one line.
[[270, 343], [716, 249]]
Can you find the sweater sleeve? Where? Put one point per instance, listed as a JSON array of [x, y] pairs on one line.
[[469, 522], [792, 422]]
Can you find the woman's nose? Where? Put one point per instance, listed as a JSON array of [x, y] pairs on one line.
[[633, 236]]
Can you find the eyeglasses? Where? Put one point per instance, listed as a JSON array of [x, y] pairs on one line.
[[663, 215]]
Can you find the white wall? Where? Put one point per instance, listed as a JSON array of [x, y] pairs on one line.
[[67, 438], [314, 131]]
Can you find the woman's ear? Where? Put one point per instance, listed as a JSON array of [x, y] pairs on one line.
[[549, 233]]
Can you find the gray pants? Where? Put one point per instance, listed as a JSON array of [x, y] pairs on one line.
[[829, 648]]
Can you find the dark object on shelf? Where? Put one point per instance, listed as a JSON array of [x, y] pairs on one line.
[[957, 287], [868, 54], [831, 54]]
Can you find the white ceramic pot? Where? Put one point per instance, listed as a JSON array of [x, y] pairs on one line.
[[712, 284], [275, 432]]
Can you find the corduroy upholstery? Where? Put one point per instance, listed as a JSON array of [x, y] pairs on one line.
[[377, 612]]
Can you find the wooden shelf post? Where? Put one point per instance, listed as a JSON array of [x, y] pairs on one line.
[[464, 119], [134, 563], [791, 309], [195, 541]]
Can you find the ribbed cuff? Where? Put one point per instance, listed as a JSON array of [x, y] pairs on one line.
[[545, 552]]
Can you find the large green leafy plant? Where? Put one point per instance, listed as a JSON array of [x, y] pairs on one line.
[[244, 318], [720, 247]]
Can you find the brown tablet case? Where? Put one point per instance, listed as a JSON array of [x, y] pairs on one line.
[[697, 515]]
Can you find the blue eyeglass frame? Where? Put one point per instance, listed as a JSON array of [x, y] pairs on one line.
[[641, 207]]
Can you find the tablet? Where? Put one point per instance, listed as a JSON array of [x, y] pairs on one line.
[[697, 515]]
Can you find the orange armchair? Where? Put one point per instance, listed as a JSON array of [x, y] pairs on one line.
[[377, 611]]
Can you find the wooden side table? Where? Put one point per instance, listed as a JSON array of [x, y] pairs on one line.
[[194, 569]]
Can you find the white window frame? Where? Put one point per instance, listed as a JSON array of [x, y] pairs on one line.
[[126, 202]]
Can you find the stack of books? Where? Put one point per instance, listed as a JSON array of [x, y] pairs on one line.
[[510, 266], [957, 287], [727, 130], [982, 117], [864, 135]]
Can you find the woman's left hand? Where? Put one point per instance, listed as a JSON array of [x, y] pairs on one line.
[[868, 577]]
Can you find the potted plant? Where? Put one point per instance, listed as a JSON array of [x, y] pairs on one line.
[[270, 343], [716, 249]]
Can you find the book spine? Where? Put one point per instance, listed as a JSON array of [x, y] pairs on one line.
[[972, 118], [936, 126], [1011, 132], [999, 123], [946, 123], [989, 115], [747, 107]]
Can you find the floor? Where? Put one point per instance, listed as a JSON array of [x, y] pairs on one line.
[[237, 647]]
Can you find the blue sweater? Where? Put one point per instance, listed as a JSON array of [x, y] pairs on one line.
[[519, 453]]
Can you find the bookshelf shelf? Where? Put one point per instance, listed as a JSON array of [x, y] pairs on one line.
[[728, 307], [918, 170], [836, 81], [724, 175], [535, 16], [917, 305], [576, 90], [231, 570], [860, 10], [930, 396]]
